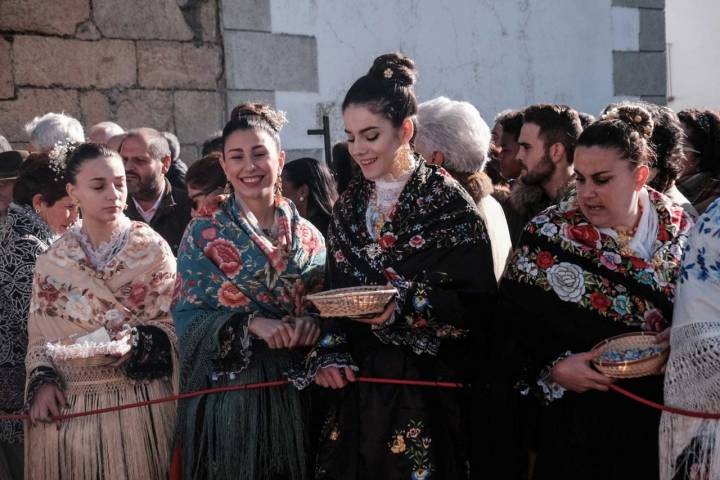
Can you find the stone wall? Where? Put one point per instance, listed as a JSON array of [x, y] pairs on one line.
[[155, 63]]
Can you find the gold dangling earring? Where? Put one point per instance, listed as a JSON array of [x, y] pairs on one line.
[[403, 159], [228, 188]]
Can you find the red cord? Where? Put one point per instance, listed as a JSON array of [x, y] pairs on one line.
[[249, 386], [665, 408], [391, 381]]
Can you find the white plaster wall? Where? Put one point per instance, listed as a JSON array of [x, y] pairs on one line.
[[693, 53], [496, 54]]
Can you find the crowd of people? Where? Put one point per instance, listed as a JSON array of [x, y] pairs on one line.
[[126, 276]]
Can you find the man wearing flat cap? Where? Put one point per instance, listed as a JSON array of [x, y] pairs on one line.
[[10, 162]]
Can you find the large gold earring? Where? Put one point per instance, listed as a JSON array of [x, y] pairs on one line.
[[403, 159]]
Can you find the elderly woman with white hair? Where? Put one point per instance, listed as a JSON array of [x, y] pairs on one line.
[[454, 135], [52, 128]]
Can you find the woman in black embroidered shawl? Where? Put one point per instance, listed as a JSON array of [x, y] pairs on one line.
[[411, 224], [602, 262]]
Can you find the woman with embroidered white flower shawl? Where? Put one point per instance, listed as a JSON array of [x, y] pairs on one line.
[[602, 262], [689, 448], [100, 335]]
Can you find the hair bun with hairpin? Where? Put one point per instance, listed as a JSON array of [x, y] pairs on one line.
[[394, 68], [275, 118], [636, 117], [58, 157]]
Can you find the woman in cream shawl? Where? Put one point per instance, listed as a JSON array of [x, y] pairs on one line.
[[100, 335]]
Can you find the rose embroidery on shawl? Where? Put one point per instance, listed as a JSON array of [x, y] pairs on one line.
[[229, 296], [309, 241], [138, 292], [48, 292], [417, 241], [582, 234], [610, 260], [566, 280], [545, 260], [600, 301], [224, 254], [339, 256], [387, 240]]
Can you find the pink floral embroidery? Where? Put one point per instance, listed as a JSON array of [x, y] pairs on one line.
[[225, 255]]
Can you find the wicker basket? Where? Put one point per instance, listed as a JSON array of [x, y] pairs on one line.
[[632, 368], [355, 302]]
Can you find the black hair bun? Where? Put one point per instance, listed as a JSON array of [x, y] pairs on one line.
[[635, 116], [394, 68]]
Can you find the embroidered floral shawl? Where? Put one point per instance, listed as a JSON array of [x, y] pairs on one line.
[[568, 287], [71, 299], [227, 272]]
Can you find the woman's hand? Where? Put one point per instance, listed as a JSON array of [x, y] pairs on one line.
[[382, 318], [305, 331], [276, 333], [334, 377], [47, 402], [576, 374]]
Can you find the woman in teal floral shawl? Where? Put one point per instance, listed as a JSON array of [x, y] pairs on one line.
[[245, 267]]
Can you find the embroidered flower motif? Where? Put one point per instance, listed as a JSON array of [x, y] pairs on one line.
[[600, 301], [420, 474], [339, 256], [373, 250], [646, 277], [209, 233], [225, 255], [540, 219], [566, 280], [229, 296], [415, 448], [545, 260], [48, 292], [308, 239], [525, 265], [621, 304], [583, 234], [610, 260], [387, 240], [138, 292], [413, 432], [334, 435], [398, 445], [417, 241], [549, 229], [388, 73]]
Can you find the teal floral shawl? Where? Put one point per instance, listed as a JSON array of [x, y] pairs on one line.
[[228, 270]]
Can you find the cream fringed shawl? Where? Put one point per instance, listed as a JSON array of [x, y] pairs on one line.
[[688, 446], [70, 298]]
